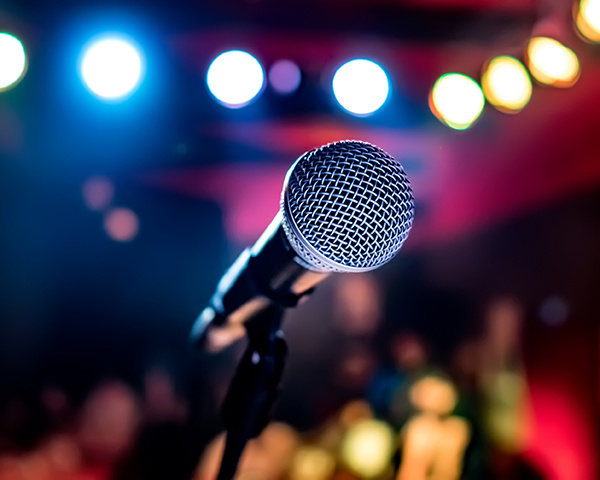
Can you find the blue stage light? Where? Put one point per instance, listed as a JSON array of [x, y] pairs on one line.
[[235, 78], [361, 87], [112, 67]]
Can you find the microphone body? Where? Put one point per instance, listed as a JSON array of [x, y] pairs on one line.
[[269, 272], [345, 207]]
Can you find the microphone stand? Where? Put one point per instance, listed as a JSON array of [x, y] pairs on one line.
[[254, 388]]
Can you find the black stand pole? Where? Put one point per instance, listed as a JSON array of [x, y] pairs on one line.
[[254, 387]]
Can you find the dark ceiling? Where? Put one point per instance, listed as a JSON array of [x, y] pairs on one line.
[[173, 122]]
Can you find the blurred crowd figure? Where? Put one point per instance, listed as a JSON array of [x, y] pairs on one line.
[[403, 418], [433, 441], [490, 369], [114, 435]]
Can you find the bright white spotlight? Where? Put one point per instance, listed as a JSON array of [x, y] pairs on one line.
[[12, 61], [235, 78], [456, 100], [361, 86], [111, 68]]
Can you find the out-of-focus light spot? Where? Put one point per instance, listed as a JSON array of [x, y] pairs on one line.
[[355, 368], [111, 68], [235, 78], [433, 394], [361, 87], [312, 463], [97, 193], [409, 352], [554, 311], [121, 224], [354, 412], [506, 84], [367, 448], [358, 305], [588, 19], [456, 100], [551, 63], [108, 421], [62, 452], [12, 61], [285, 77]]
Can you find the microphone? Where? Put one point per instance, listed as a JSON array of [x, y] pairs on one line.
[[345, 207]]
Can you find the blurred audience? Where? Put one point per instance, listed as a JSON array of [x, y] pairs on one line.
[[400, 420], [115, 435]]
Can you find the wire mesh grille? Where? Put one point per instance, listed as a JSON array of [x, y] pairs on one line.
[[347, 206]]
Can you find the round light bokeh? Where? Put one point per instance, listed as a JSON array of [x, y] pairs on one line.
[[361, 87], [98, 193], [554, 310], [12, 61], [506, 84], [121, 224], [235, 78], [587, 19], [456, 100], [285, 77], [111, 68], [551, 63], [367, 448]]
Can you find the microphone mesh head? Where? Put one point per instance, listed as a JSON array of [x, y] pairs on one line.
[[347, 207]]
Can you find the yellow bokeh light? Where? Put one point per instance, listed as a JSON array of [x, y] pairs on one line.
[[588, 19], [551, 63], [456, 100], [312, 463], [506, 84], [367, 448]]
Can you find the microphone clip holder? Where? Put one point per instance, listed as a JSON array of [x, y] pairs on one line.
[[254, 387]]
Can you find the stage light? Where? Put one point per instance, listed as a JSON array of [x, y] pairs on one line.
[[312, 463], [235, 78], [111, 67], [121, 224], [367, 448], [554, 311], [361, 87], [98, 193], [456, 100], [588, 19], [506, 84], [284, 77], [551, 63], [12, 61]]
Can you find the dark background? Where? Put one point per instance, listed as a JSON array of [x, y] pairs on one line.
[[508, 207]]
